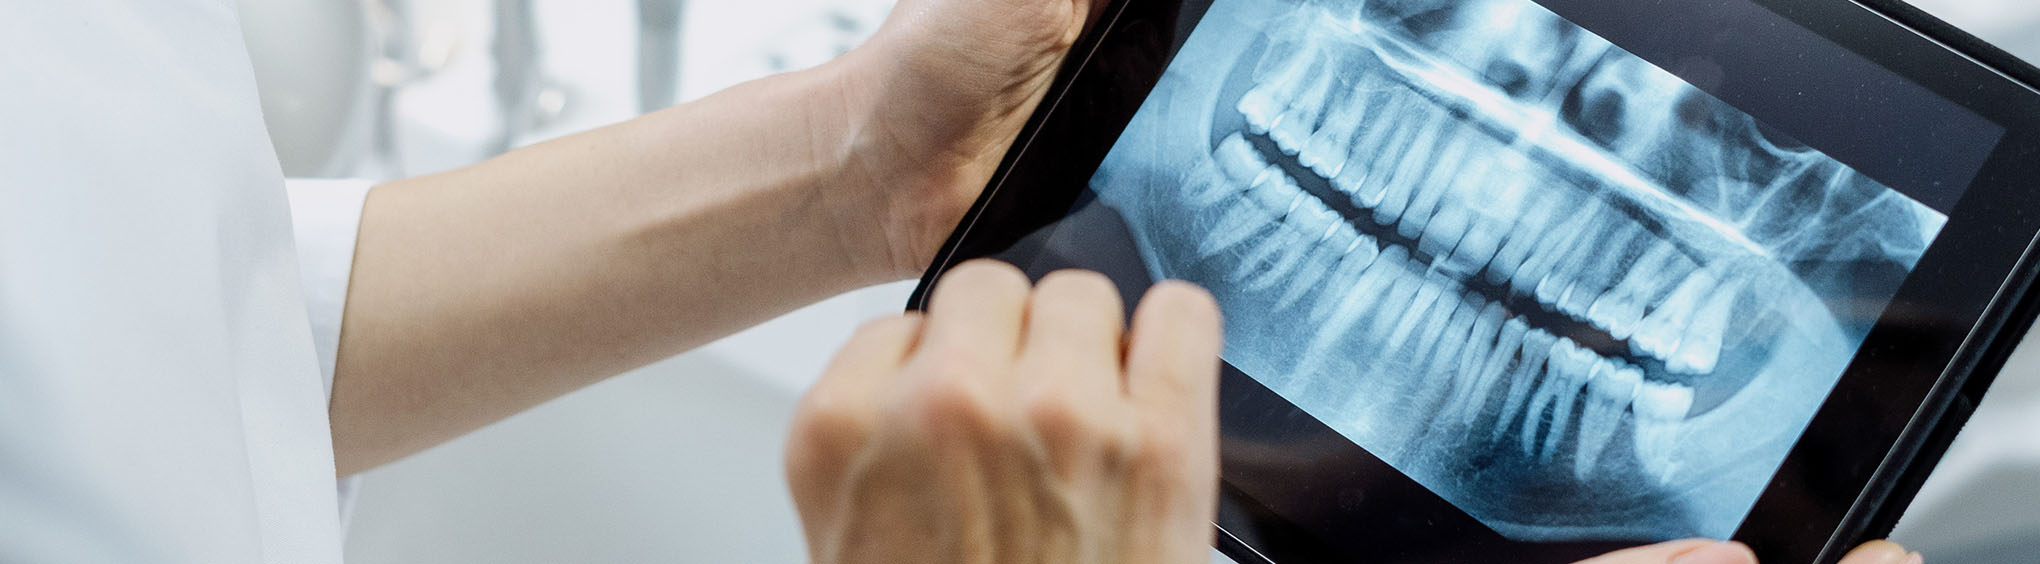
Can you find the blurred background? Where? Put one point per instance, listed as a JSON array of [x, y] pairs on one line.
[[680, 461]]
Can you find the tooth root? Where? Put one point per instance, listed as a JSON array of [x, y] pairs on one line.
[[1565, 374], [1660, 427], [1492, 368], [1552, 251], [1437, 180], [1406, 322], [1610, 393], [1596, 276], [1374, 286], [1536, 348], [1372, 156], [1701, 346], [1411, 164], [1235, 225], [1328, 151], [1313, 221], [1481, 340], [1301, 120], [1342, 240], [1356, 276], [1447, 347], [1658, 334]]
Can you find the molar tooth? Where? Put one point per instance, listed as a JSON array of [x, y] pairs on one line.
[[1544, 261], [1437, 181], [1437, 346], [1412, 162], [1367, 291], [1701, 346], [1658, 334], [1239, 160], [1342, 240], [1264, 102], [1570, 366], [1444, 234], [1569, 270], [1313, 218], [1429, 289], [1367, 165], [1493, 365], [1537, 345], [1294, 129], [1597, 273], [1272, 247], [1204, 186], [1618, 310], [1611, 391], [1486, 320], [1660, 428], [1532, 226], [1328, 151]]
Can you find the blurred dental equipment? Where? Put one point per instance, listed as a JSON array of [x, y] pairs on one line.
[[659, 23]]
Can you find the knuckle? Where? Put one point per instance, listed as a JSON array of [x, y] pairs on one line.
[[1061, 422], [824, 437], [1078, 285], [952, 405]]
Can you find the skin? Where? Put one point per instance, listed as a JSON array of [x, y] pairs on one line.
[[1016, 423]]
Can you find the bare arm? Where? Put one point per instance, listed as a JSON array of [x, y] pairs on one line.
[[484, 291]]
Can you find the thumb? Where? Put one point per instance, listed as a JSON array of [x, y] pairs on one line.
[[1691, 551]]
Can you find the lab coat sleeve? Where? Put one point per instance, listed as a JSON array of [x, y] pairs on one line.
[[325, 218]]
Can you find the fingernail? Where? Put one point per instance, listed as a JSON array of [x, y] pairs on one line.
[[1718, 553], [1916, 558]]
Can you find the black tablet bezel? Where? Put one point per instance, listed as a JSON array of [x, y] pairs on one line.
[[1956, 319]]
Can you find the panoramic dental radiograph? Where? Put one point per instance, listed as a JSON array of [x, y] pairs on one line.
[[1569, 293]]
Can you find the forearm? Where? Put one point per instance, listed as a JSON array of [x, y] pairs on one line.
[[484, 291]]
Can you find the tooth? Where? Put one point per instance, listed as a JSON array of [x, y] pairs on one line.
[[1446, 348], [1279, 244], [1239, 160], [1473, 358], [1617, 310], [1328, 151], [1567, 372], [1245, 219], [1533, 225], [1701, 346], [1494, 366], [1559, 279], [1490, 214], [1342, 240], [1658, 334], [1294, 128], [1661, 410], [1437, 181], [1545, 260], [1412, 163], [1429, 289], [1314, 218], [1597, 275], [1262, 104], [1536, 347], [1369, 289], [1205, 186], [1656, 401], [1367, 172], [1611, 391]]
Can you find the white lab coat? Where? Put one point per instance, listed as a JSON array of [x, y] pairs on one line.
[[161, 399]]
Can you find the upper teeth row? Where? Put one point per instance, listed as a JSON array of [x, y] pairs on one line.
[[1475, 205]]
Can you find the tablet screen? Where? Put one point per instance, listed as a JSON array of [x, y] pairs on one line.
[[1562, 289]]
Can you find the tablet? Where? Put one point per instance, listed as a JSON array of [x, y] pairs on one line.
[[1531, 280]]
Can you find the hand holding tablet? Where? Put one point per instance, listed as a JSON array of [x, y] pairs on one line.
[[1540, 279]]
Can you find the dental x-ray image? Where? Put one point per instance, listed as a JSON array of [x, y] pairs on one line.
[[1569, 293]]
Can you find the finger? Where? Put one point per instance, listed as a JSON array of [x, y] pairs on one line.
[[977, 311], [1882, 552], [838, 415], [1172, 353], [1074, 326], [1691, 551]]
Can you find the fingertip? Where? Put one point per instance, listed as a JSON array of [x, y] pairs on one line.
[[1881, 552], [1725, 552]]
